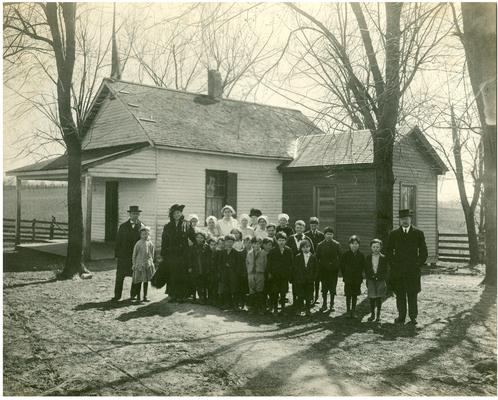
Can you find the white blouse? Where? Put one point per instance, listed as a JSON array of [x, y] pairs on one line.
[[225, 227]]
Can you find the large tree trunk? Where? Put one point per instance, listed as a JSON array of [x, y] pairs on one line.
[[386, 127], [479, 39]]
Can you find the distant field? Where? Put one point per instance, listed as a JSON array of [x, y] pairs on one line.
[[39, 203], [42, 203]]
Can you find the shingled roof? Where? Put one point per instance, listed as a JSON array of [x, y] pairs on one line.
[[351, 148], [195, 121]]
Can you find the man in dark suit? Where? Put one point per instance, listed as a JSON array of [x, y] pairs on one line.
[[128, 235], [407, 252], [316, 237]]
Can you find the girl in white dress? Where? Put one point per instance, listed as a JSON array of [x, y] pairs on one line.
[[143, 262]]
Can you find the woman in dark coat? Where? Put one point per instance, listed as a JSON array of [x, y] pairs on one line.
[[174, 252], [352, 267]]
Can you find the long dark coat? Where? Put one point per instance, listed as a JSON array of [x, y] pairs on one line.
[[301, 273], [316, 237], [279, 267], [406, 253], [352, 267], [174, 251], [329, 257], [126, 239], [382, 268], [232, 271]]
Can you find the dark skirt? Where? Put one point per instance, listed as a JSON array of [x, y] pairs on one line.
[[352, 288]]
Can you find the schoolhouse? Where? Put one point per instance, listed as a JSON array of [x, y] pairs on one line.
[[153, 147]]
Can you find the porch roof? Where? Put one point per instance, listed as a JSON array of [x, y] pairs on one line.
[[56, 167]]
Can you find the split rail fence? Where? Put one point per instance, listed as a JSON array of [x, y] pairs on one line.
[[34, 230]]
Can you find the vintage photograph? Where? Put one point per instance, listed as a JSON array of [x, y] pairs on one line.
[[249, 199]]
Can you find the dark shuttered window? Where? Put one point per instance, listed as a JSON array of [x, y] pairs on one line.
[[221, 189]]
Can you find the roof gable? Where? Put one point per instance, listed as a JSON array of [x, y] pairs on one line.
[[354, 148], [172, 118]]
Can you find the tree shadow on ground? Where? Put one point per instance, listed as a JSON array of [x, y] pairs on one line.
[[25, 260], [103, 305], [17, 285]]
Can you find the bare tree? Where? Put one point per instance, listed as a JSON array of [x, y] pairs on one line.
[[54, 41], [362, 78]]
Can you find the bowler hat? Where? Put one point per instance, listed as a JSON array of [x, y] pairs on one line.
[[405, 213], [176, 207], [134, 209]]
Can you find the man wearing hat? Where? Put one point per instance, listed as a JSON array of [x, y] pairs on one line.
[[406, 251], [128, 234], [316, 237]]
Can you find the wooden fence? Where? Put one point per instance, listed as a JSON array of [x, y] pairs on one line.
[[454, 247], [34, 230]]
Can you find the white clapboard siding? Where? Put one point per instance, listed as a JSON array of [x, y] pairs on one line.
[[141, 192], [113, 125], [137, 163], [182, 179], [412, 167]]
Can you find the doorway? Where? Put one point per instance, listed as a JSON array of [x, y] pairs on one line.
[[111, 210]]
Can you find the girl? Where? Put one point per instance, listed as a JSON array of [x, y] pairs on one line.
[[143, 263], [283, 225], [376, 269], [352, 266], [239, 244], [260, 230], [246, 230], [194, 220], [211, 226], [227, 223]]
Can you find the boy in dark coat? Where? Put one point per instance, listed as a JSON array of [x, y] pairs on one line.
[[232, 268], [280, 260], [304, 274], [352, 267], [213, 278], [328, 253], [128, 235], [406, 252], [316, 237], [200, 266]]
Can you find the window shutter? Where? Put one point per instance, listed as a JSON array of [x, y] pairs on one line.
[[232, 190]]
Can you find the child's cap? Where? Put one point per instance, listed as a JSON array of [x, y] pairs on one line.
[[193, 216], [225, 207], [145, 228], [244, 217], [263, 217], [284, 216], [354, 238], [300, 222], [328, 229], [211, 218]]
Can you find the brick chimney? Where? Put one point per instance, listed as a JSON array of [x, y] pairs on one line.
[[214, 84]]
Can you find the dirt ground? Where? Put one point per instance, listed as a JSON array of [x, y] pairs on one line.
[[65, 338]]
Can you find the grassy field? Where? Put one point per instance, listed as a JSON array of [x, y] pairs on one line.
[[39, 203]]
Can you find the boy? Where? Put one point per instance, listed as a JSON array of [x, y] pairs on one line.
[[279, 266], [316, 237], [256, 260], [231, 270], [199, 266], [328, 254], [212, 291], [304, 275], [271, 230]]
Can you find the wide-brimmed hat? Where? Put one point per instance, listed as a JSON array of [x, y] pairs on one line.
[[134, 209], [176, 207], [405, 213]]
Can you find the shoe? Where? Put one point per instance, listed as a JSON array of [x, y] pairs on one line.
[[371, 318], [332, 309], [323, 309], [413, 322], [115, 299], [399, 321], [377, 319], [146, 300]]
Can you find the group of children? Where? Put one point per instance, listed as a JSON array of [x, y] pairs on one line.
[[251, 263]]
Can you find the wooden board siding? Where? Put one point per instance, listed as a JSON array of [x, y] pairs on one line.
[[139, 192], [182, 179], [114, 125], [355, 200], [412, 167], [138, 163]]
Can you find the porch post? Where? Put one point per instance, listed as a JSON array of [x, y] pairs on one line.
[[87, 225], [18, 211]]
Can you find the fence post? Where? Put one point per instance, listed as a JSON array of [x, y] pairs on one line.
[[33, 230], [52, 224]]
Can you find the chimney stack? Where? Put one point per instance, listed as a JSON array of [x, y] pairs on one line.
[[214, 84]]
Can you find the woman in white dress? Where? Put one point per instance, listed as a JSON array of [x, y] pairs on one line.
[[227, 223]]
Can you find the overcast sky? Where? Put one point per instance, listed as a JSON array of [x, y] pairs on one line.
[[271, 22]]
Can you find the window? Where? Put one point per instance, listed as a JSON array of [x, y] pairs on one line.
[[216, 192], [325, 205], [408, 199]]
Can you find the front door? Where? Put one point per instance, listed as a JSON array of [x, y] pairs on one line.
[[111, 210]]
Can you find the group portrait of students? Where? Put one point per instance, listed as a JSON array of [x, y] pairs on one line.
[[252, 264]]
